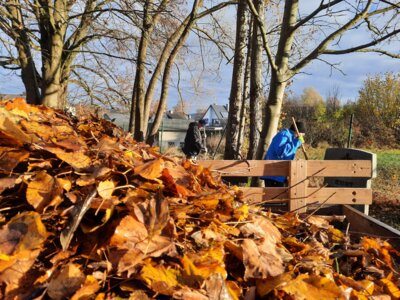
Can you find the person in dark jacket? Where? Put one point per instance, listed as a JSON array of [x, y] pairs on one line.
[[193, 140], [283, 147]]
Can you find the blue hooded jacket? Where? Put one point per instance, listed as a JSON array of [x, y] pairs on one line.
[[283, 147]]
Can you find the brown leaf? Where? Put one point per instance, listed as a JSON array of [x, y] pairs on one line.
[[150, 170], [87, 290], [7, 183], [43, 191], [20, 244], [77, 160], [64, 284], [131, 234], [10, 158]]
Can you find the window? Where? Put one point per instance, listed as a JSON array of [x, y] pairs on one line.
[[171, 144], [216, 122], [182, 144]]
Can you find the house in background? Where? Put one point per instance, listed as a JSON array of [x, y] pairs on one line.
[[174, 125], [216, 116], [172, 130]]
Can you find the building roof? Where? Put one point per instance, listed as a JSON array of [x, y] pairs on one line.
[[220, 110]]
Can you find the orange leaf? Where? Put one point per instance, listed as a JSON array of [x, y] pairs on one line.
[[11, 158], [77, 160], [20, 244], [42, 191], [160, 279], [150, 170], [312, 287], [88, 289]]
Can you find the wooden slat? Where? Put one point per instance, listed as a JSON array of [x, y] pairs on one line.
[[321, 195], [340, 168], [339, 195], [361, 224], [238, 168], [322, 168], [298, 183], [268, 195]]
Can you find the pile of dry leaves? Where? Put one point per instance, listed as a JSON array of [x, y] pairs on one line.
[[86, 212]]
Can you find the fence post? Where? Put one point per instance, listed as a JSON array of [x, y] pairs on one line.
[[298, 184]]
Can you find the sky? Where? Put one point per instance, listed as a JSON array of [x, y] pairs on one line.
[[214, 87]]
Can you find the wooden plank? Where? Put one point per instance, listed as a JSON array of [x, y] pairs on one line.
[[361, 224], [298, 183], [337, 195], [322, 168], [268, 195], [340, 168], [239, 168]]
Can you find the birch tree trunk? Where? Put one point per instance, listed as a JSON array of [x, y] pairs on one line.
[[236, 99]]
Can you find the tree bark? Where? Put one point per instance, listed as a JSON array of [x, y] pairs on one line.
[[279, 77], [256, 91], [232, 150], [167, 73]]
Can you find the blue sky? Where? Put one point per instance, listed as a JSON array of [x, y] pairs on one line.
[[214, 86]]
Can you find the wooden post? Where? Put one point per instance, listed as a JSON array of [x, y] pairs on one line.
[[298, 184]]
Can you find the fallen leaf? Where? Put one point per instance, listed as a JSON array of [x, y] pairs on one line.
[[160, 279], [68, 281], [150, 170], [87, 290], [10, 158], [106, 188], [42, 191], [77, 160]]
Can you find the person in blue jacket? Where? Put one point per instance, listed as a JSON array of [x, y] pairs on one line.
[[283, 147]]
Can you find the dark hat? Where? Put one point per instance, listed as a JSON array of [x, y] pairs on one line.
[[300, 126], [203, 122]]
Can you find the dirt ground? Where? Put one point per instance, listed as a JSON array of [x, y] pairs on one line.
[[386, 209]]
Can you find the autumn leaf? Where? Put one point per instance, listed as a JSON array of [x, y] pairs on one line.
[[312, 287], [87, 290], [77, 160], [42, 191], [105, 189], [199, 266], [160, 279], [20, 244], [391, 288], [11, 158], [7, 183], [130, 233], [65, 283], [150, 170]]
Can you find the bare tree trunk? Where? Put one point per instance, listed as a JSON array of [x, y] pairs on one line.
[[138, 94], [236, 95], [246, 90], [22, 43], [256, 92], [167, 73], [279, 77], [160, 65]]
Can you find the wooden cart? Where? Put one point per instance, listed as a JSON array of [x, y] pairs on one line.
[[299, 195]]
